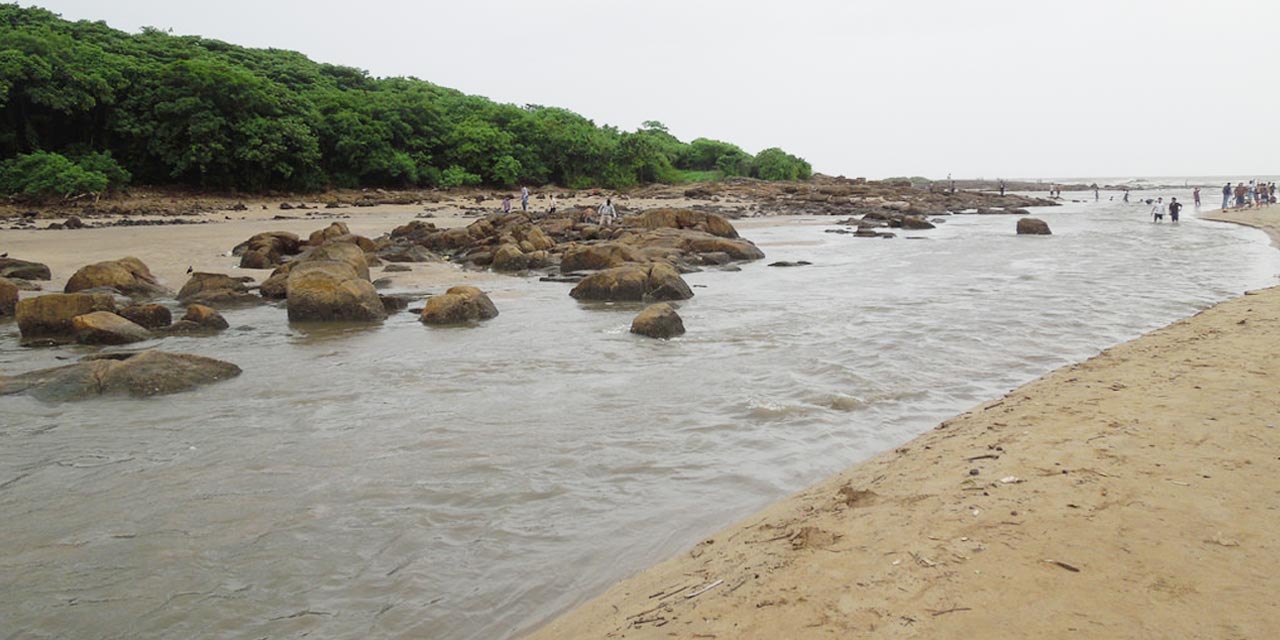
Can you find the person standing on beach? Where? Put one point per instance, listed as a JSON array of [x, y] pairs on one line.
[[1002, 188], [506, 204], [606, 212], [1126, 195], [1096, 197], [551, 209], [1226, 195], [1196, 195], [1240, 193], [524, 199], [1157, 212], [1174, 208]]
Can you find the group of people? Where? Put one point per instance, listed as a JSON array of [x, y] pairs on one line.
[[606, 214], [1255, 194], [1158, 209]]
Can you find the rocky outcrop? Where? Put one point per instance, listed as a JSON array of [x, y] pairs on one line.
[[458, 305], [8, 297], [658, 321], [658, 281], [334, 230], [682, 219], [216, 290], [594, 257], [344, 252], [104, 327], [205, 317], [149, 316], [331, 290], [268, 249], [915, 222], [129, 276], [509, 257], [14, 268], [1033, 226], [149, 373], [49, 317]]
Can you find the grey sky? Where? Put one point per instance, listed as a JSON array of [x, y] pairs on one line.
[[1013, 88]]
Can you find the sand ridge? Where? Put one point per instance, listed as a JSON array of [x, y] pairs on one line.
[[1134, 495]]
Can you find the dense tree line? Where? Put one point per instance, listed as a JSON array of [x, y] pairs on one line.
[[84, 107]]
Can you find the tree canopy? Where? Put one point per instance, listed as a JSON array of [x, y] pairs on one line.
[[84, 107]]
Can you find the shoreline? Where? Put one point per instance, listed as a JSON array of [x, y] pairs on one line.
[[1122, 496]]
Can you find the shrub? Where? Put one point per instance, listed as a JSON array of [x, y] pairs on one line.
[[43, 174]]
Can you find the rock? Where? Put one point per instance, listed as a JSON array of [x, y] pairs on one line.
[[396, 268], [509, 257], [658, 281], [257, 259], [788, 263], [49, 316], [1033, 226], [364, 243], [26, 285], [104, 327], [916, 222], [593, 257], [8, 297], [266, 250], [682, 219], [73, 223], [149, 373], [459, 305], [345, 252], [148, 316], [129, 276], [216, 290], [14, 268], [394, 303], [332, 290], [658, 321], [205, 317], [407, 253], [335, 230]]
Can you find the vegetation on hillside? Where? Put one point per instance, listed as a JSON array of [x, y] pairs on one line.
[[84, 107]]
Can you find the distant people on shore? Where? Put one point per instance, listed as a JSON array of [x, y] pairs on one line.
[[551, 208], [1195, 194], [1241, 193], [1126, 195], [1175, 208], [524, 199], [606, 214], [1226, 195], [506, 204], [1002, 188]]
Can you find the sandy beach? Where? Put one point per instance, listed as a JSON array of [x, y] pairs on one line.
[[1133, 495]]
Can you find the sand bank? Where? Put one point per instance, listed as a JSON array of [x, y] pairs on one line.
[[1136, 494], [1264, 218]]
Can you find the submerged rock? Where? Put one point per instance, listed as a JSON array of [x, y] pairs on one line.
[[658, 321], [149, 373], [216, 290], [459, 305], [659, 281], [8, 297], [1033, 226], [149, 316], [129, 276], [205, 317]]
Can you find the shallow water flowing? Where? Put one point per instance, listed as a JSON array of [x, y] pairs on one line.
[[410, 482]]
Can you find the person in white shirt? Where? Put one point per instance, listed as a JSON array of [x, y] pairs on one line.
[[606, 213]]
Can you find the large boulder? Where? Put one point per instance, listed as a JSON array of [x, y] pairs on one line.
[[8, 297], [104, 327], [149, 373], [331, 290], [267, 249], [658, 281], [364, 243], [205, 317], [407, 253], [509, 257], [149, 316], [14, 268], [49, 316], [345, 252], [128, 275], [682, 219], [1033, 226], [687, 242], [335, 230], [594, 257], [216, 290], [459, 305], [916, 222], [658, 321]]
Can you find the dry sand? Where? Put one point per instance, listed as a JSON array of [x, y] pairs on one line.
[[1134, 495]]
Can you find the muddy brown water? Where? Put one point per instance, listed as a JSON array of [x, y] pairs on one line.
[[410, 482]]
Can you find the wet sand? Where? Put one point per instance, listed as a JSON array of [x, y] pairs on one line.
[[1131, 495]]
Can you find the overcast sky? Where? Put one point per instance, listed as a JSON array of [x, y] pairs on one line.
[[975, 88]]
